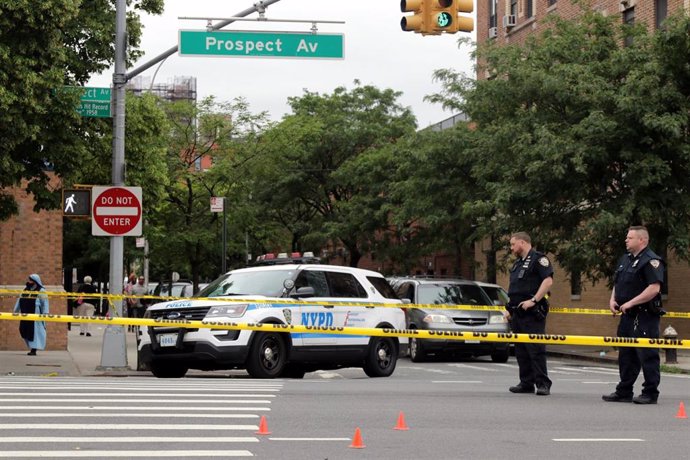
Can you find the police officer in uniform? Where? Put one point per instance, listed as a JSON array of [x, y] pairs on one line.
[[636, 296], [531, 278]]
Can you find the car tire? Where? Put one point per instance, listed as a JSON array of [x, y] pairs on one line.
[[293, 371], [417, 352], [382, 356], [500, 356], [267, 356], [168, 370]]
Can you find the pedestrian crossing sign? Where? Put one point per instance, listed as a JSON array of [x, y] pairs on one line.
[[76, 202]]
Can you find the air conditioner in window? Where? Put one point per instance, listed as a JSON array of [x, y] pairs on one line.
[[493, 32], [509, 20]]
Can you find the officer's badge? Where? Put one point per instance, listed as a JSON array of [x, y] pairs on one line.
[[288, 315], [544, 262], [654, 263]]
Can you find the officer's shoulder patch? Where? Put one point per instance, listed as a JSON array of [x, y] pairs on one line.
[[544, 261], [655, 263]]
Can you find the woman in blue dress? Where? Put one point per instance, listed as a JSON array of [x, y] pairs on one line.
[[33, 332]]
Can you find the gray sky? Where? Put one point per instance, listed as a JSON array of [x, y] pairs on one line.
[[377, 52]]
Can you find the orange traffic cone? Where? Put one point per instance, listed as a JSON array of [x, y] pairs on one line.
[[357, 440], [263, 427], [401, 425], [681, 411]]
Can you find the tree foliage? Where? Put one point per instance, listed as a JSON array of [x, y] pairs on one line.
[[45, 46], [579, 136]]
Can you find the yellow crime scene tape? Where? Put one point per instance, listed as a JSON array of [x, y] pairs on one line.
[[556, 339], [120, 297]]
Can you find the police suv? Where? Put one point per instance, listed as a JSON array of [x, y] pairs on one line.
[[172, 351]]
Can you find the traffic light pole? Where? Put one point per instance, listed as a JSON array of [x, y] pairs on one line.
[[114, 350]]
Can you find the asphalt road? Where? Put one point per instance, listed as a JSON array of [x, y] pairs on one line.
[[459, 409]]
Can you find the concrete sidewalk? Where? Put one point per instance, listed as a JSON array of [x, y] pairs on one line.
[[83, 357]]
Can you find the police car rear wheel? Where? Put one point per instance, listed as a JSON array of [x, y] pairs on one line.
[[417, 352], [381, 357], [500, 356], [267, 356]]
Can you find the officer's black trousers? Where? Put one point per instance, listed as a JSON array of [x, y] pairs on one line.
[[531, 357], [631, 359]]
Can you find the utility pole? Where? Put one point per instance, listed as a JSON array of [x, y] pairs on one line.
[[114, 350]]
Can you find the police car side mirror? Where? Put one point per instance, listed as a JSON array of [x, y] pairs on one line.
[[306, 291], [406, 300]]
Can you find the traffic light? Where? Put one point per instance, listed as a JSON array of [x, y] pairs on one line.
[[444, 16], [418, 22], [433, 17]]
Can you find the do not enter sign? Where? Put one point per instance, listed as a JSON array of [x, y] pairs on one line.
[[116, 211]]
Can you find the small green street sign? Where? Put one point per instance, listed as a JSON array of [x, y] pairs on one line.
[[94, 102], [261, 44]]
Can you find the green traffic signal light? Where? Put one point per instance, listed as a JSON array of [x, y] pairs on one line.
[[444, 19]]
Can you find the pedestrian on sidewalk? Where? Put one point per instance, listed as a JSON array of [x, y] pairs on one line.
[[531, 278], [138, 305], [85, 305], [34, 333], [636, 296]]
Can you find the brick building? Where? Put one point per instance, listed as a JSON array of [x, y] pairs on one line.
[[31, 242], [512, 21]]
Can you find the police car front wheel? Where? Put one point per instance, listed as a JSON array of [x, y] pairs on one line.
[[267, 355], [381, 358]]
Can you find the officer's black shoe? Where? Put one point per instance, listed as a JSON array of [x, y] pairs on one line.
[[615, 397], [644, 399], [520, 388], [543, 390]]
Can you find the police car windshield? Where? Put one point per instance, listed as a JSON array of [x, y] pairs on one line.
[[453, 294], [267, 283]]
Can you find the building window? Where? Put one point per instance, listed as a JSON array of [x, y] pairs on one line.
[[660, 12], [493, 18], [551, 2], [514, 7], [529, 8], [629, 19]]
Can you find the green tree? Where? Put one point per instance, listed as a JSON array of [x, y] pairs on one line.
[[579, 136], [323, 152], [44, 46], [185, 235]]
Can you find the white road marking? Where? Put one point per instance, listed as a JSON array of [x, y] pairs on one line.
[[328, 375], [98, 399], [456, 381], [135, 396], [115, 426], [590, 370], [467, 366], [420, 368], [598, 440], [127, 453], [146, 415], [128, 439], [137, 408], [600, 383], [309, 439]]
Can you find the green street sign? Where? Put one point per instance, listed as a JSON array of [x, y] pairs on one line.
[[93, 102], [261, 44]]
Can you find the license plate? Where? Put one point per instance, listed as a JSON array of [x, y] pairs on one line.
[[167, 340], [472, 341]]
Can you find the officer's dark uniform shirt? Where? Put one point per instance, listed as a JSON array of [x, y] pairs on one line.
[[634, 274], [526, 276]]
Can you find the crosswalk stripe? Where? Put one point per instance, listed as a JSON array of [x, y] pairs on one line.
[[134, 396], [99, 399], [109, 415], [127, 453], [122, 426], [137, 408], [467, 366], [128, 439]]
